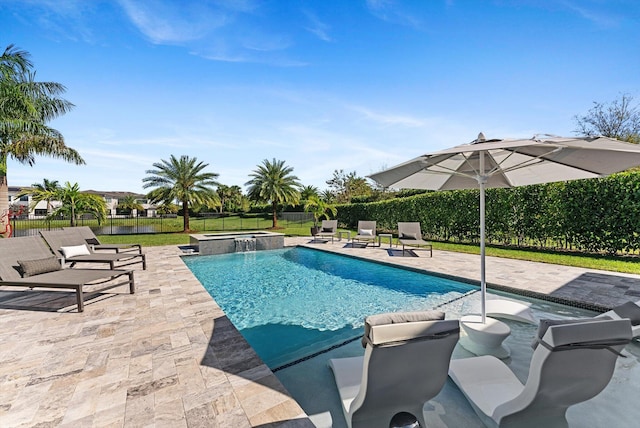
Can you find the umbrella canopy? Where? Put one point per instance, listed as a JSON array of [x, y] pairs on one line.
[[509, 163]]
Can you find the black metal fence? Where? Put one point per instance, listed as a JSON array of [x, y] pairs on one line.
[[123, 225]]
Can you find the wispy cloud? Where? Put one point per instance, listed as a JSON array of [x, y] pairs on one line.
[[391, 11], [388, 119], [164, 22], [317, 27], [588, 11]]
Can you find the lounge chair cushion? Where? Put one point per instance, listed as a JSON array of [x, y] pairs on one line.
[[38, 266], [629, 310], [327, 229], [75, 250], [545, 324], [405, 235], [365, 232], [396, 318]]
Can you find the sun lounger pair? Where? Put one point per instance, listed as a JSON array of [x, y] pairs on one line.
[[407, 358], [92, 240], [70, 245], [29, 262]]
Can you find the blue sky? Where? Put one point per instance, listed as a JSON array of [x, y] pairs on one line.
[[322, 84]]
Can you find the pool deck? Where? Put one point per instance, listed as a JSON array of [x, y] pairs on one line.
[[168, 356]]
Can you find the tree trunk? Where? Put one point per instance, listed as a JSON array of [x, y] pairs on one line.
[[185, 216], [5, 221], [275, 215]]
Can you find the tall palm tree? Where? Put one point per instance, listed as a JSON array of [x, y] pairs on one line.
[[45, 191], [182, 180], [74, 203], [26, 106], [273, 183]]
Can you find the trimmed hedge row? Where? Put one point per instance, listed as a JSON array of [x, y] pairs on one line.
[[598, 215]]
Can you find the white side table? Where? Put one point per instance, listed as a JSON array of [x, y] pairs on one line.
[[485, 338]]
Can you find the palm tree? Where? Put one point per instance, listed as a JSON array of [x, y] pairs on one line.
[[182, 180], [130, 203], [229, 197], [273, 183], [26, 106], [224, 193], [306, 192], [74, 203], [45, 191], [319, 208]]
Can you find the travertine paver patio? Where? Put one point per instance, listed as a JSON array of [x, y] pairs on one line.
[[168, 356], [165, 356]]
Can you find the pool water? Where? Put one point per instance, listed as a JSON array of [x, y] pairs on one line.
[[294, 302]]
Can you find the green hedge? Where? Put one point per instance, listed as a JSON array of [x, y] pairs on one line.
[[598, 215]]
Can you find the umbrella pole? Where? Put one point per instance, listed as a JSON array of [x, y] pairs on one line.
[[482, 180]]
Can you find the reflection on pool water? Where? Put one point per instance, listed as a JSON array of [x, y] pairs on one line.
[[290, 303], [293, 302]]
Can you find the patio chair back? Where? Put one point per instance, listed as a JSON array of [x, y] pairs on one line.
[[20, 248], [405, 365], [572, 363]]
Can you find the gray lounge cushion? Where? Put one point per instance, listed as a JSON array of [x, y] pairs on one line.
[[38, 266], [545, 324], [629, 310], [396, 318]]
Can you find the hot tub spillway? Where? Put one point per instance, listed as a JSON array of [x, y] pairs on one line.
[[229, 242], [245, 245]]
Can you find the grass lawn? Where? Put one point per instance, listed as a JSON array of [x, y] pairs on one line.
[[626, 264]]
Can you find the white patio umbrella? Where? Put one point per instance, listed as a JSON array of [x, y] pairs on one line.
[[509, 163]]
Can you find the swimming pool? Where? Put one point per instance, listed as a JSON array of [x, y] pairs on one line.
[[295, 302], [309, 380]]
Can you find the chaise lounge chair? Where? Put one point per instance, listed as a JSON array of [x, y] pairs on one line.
[[572, 362], [329, 229], [410, 235], [404, 365], [366, 232], [71, 247], [28, 262], [92, 240], [630, 311]]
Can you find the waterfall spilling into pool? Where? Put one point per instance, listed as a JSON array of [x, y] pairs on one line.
[[245, 245], [235, 242]]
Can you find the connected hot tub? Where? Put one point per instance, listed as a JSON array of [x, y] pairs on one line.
[[235, 242]]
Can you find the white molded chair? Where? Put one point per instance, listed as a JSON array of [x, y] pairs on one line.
[[572, 362], [405, 364]]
